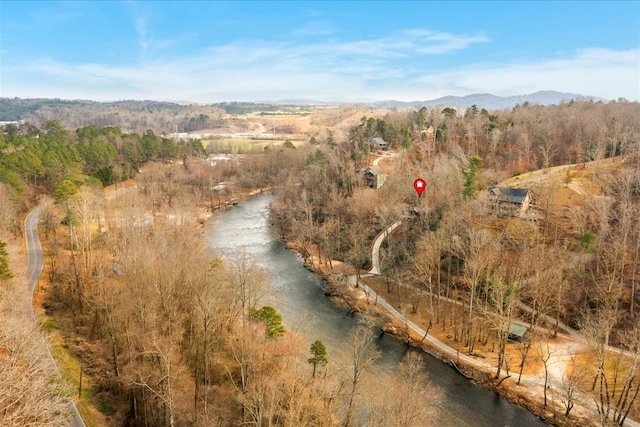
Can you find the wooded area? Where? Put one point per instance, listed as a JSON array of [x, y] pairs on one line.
[[170, 335]]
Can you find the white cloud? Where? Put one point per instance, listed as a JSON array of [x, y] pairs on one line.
[[141, 29], [382, 68], [148, 45], [241, 69], [435, 43], [593, 72], [314, 29], [406, 43]]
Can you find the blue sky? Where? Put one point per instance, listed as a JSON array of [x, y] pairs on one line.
[[252, 51]]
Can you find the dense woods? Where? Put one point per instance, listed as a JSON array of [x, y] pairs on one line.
[[170, 334]]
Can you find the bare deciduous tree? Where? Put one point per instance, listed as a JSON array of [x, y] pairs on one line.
[[248, 282], [409, 400], [364, 353]]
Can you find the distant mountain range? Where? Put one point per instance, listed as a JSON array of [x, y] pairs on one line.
[[480, 100], [493, 102]]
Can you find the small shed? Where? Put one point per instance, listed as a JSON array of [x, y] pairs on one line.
[[375, 176], [517, 333], [376, 144]]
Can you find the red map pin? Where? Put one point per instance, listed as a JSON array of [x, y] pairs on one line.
[[419, 184]]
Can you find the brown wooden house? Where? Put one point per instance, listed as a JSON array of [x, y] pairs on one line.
[[507, 201], [375, 177]]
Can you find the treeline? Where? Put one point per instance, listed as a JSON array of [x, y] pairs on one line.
[[239, 108], [14, 109], [132, 116], [45, 157]]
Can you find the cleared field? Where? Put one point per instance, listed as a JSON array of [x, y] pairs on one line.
[[237, 145]]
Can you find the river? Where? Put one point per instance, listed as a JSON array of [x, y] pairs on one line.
[[297, 295]]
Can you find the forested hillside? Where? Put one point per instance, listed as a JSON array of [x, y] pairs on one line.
[[171, 335]]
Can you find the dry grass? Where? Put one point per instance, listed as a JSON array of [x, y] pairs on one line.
[[565, 190]]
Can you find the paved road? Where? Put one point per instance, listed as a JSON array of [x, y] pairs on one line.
[[35, 263], [34, 250], [375, 251]]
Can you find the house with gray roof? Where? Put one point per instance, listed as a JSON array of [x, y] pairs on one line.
[[507, 201], [376, 144]]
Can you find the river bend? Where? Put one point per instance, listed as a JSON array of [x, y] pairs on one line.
[[298, 296]]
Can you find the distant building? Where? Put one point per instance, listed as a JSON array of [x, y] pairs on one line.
[[180, 135], [375, 177], [376, 144], [12, 122], [429, 133], [507, 201]]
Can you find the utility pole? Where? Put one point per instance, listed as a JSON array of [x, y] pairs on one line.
[[80, 385]]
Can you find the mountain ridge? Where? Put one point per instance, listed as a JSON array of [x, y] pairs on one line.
[[495, 102], [480, 100]]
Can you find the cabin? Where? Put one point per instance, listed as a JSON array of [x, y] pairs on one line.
[[377, 144], [375, 177], [517, 333], [507, 201]]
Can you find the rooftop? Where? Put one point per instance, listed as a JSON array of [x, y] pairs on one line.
[[510, 195], [374, 170]]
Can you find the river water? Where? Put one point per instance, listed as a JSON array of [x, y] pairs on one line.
[[297, 295]]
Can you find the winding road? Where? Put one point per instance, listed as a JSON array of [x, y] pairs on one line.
[[375, 252], [35, 263]]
